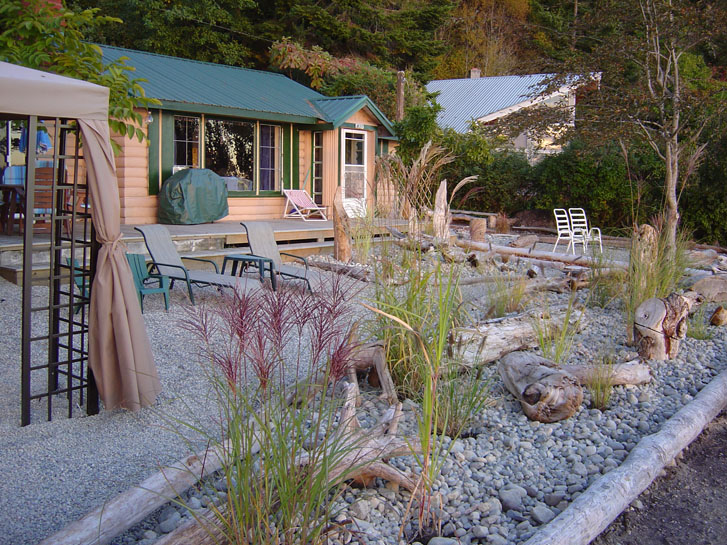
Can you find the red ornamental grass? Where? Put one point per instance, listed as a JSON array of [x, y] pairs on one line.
[[256, 331]]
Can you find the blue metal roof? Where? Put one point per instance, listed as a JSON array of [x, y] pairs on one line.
[[242, 91], [465, 100]]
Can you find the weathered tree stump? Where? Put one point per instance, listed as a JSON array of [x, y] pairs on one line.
[[478, 229], [546, 392], [341, 229], [660, 324]]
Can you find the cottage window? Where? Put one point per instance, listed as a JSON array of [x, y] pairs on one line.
[[186, 142], [271, 157], [229, 150]]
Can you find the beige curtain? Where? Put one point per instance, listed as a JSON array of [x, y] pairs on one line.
[[119, 350]]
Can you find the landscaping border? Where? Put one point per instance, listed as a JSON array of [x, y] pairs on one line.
[[591, 512]]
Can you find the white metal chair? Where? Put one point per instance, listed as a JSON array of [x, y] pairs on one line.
[[565, 231], [300, 205], [579, 227]]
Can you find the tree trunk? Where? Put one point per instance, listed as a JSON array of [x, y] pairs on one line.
[[341, 229], [670, 193]]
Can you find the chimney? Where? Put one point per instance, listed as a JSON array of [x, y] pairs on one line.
[[474, 73]]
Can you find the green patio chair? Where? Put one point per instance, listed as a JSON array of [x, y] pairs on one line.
[[79, 279], [167, 261], [262, 243], [137, 262]]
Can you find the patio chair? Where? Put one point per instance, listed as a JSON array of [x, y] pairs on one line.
[[141, 274], [79, 279], [565, 232], [262, 243], [167, 261], [579, 225], [300, 205]]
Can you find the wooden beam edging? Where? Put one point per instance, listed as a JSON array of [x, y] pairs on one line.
[[591, 512], [122, 512]]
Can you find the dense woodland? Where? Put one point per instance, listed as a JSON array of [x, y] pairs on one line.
[[651, 136]]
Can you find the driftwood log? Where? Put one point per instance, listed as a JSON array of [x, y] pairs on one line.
[[371, 357], [591, 513], [354, 271], [545, 392], [542, 255], [660, 324], [119, 514], [489, 341], [341, 229], [549, 392], [719, 317], [441, 216]]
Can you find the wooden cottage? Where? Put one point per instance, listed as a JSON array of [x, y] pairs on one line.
[[261, 131]]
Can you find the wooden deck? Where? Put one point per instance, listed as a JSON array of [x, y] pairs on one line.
[[208, 240]]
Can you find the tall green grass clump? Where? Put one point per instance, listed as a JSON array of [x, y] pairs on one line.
[[698, 327], [505, 294], [419, 335], [606, 283], [654, 271], [600, 382], [555, 339], [274, 360]]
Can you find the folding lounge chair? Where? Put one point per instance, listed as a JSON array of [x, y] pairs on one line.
[[579, 226], [167, 262], [300, 205], [262, 243], [565, 232]]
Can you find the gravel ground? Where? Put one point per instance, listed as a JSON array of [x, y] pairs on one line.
[[507, 477]]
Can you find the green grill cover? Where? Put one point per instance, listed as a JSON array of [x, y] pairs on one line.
[[193, 195]]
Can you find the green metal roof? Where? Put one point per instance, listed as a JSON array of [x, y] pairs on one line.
[[181, 83], [337, 110], [204, 87]]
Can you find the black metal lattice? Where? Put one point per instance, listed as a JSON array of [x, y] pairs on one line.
[[59, 259]]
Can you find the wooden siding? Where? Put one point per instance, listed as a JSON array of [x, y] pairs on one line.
[[330, 165]]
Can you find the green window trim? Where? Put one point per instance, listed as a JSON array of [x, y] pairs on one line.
[[161, 151]]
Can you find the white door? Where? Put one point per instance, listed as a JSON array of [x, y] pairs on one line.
[[353, 179]]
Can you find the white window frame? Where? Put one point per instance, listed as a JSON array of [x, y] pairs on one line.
[[353, 209]]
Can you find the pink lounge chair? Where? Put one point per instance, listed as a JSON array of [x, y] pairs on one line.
[[300, 205]]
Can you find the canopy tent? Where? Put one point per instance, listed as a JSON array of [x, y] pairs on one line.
[[119, 350]]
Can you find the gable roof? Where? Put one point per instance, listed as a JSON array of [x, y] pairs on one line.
[[338, 109], [204, 87], [465, 100]]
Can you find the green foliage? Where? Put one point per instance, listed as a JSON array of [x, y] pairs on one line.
[[362, 78], [39, 36], [704, 201], [418, 127]]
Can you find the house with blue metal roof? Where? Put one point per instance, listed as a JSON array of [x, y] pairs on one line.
[[261, 131], [489, 99]]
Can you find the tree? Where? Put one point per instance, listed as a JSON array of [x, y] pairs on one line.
[[484, 34], [42, 36], [654, 84]]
